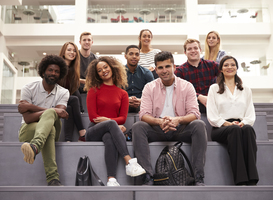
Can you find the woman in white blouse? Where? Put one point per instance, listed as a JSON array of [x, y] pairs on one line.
[[147, 53], [230, 111]]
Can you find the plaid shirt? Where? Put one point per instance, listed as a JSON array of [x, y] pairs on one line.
[[202, 77]]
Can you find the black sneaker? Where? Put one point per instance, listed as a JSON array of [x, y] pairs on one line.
[[30, 151], [147, 180], [199, 181], [54, 182]]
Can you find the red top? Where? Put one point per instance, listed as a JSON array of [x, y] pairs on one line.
[[108, 101]]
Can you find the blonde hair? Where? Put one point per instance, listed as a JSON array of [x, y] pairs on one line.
[[119, 74], [73, 75], [189, 41], [207, 48]]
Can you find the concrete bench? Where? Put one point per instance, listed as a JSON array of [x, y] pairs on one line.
[[12, 123], [15, 172]]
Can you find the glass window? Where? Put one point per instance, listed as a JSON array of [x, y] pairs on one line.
[[232, 13], [41, 14], [173, 12], [7, 85]]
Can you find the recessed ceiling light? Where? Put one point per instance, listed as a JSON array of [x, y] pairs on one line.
[[243, 10], [175, 52], [122, 53], [97, 53], [44, 53]]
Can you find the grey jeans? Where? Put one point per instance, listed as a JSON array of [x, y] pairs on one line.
[[113, 139], [195, 133]]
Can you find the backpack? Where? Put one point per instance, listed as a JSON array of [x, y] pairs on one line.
[[170, 167]]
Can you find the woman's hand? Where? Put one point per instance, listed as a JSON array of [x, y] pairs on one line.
[[122, 128], [227, 123], [151, 68], [101, 119]]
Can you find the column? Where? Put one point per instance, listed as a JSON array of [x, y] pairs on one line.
[[192, 18], [80, 19]]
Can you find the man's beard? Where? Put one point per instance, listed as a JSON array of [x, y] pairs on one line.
[[49, 81]]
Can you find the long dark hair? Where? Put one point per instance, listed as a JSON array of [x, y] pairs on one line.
[[221, 78], [73, 75]]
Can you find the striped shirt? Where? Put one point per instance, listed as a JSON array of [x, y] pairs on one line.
[[148, 59], [202, 77]]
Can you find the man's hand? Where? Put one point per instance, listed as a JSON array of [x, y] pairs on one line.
[[61, 113], [122, 128], [100, 119], [202, 99], [169, 124], [23, 106], [134, 101]]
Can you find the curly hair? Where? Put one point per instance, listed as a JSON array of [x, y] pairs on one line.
[[207, 48], [50, 60], [221, 78], [119, 74], [140, 34], [73, 75]]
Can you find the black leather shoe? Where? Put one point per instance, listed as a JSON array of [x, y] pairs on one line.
[[147, 180], [199, 181], [54, 182]]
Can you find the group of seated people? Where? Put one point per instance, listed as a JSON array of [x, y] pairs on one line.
[[169, 108]]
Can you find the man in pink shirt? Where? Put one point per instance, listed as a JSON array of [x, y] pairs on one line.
[[169, 112]]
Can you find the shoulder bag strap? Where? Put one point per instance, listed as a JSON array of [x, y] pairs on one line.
[[188, 162], [96, 176]]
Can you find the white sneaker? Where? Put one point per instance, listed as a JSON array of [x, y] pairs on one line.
[[112, 182], [134, 169]]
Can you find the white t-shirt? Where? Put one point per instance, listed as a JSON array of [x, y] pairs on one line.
[[168, 105]]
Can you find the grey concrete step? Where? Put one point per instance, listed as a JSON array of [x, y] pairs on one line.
[[270, 134], [269, 118], [15, 172], [8, 106], [138, 193], [269, 111], [263, 105], [13, 124], [7, 110], [270, 125]]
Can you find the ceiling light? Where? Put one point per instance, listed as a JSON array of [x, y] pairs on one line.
[[255, 62], [175, 52], [243, 10], [44, 53], [122, 53], [97, 53]]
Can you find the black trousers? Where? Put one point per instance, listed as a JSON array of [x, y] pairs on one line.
[[77, 94], [242, 150], [73, 109]]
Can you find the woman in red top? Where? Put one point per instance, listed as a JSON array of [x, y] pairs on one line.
[[70, 53], [107, 106]]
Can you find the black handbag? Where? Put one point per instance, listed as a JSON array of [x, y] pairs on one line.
[[83, 174], [170, 167]]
